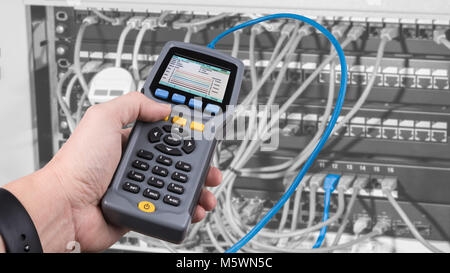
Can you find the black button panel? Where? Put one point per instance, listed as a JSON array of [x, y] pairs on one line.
[[183, 166], [152, 194], [172, 200], [131, 187], [170, 141], [136, 176], [180, 177], [164, 160], [141, 165], [175, 188], [155, 182]]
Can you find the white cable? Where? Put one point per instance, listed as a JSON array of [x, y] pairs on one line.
[[201, 22], [121, 43], [114, 21], [64, 107], [236, 42], [408, 222]]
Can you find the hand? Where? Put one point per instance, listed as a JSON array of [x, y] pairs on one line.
[[83, 168]]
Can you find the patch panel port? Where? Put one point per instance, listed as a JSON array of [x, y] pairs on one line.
[[359, 78], [439, 136], [357, 131], [373, 132], [406, 134], [422, 135], [324, 77], [424, 82], [440, 83], [391, 80], [408, 81], [390, 133]]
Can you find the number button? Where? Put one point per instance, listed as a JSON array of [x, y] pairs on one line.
[[160, 171], [175, 188], [152, 194], [141, 165], [155, 182], [136, 176], [131, 187], [164, 160], [172, 200], [179, 177], [183, 166]]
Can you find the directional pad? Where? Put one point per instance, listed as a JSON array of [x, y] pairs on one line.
[[188, 146], [168, 150], [155, 135]]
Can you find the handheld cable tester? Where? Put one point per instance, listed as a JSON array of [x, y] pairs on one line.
[[159, 179]]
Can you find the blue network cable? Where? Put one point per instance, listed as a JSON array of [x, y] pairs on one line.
[[328, 130], [329, 185]]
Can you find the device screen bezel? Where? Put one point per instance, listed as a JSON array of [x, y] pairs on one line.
[[199, 57]]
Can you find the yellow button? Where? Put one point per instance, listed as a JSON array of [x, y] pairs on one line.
[[197, 126], [166, 118], [146, 206], [179, 121]]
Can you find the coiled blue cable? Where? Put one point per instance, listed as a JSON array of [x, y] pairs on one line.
[[326, 134]]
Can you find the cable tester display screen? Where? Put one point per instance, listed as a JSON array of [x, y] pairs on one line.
[[197, 78]]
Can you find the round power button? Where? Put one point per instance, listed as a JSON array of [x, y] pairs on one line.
[[146, 206]]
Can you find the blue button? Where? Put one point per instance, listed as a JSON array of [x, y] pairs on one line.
[[178, 98], [212, 108], [161, 93], [196, 104]]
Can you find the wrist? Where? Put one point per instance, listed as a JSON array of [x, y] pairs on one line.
[[45, 201]]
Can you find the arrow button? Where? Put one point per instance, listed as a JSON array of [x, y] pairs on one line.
[[188, 146], [167, 150]]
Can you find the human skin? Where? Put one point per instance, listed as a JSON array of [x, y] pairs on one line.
[[63, 197]]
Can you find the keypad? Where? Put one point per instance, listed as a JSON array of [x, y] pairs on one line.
[[172, 200], [170, 140], [133, 188], [161, 93], [136, 176], [152, 194]]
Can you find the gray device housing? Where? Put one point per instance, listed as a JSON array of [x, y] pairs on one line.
[[167, 222]]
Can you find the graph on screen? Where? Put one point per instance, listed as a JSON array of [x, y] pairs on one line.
[[196, 78]]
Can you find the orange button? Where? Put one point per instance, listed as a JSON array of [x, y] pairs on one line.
[[146, 206], [179, 121], [197, 126], [166, 118]]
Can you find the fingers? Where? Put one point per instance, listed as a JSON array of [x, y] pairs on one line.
[[135, 106], [214, 177], [206, 203], [199, 214], [207, 200]]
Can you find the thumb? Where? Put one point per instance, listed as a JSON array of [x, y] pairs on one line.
[[136, 106]]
